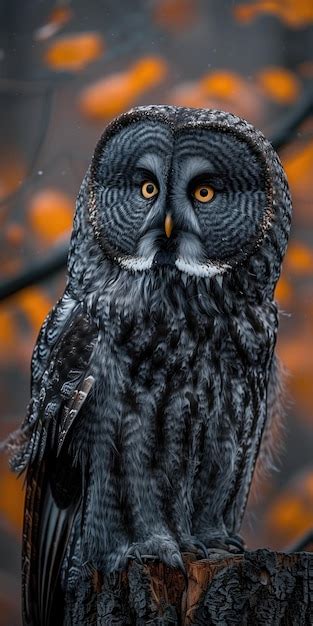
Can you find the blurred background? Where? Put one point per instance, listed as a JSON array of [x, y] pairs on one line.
[[67, 68]]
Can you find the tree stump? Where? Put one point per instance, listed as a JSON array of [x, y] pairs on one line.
[[256, 588]]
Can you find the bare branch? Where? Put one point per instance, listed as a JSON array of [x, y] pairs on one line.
[[285, 131], [35, 272]]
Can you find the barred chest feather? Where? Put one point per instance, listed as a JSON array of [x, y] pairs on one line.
[[181, 401]]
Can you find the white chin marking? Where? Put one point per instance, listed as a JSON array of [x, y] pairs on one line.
[[140, 264], [201, 269], [136, 263]]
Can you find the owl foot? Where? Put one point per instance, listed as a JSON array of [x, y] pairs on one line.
[[229, 544], [235, 541], [158, 549], [204, 546], [195, 546], [77, 573]]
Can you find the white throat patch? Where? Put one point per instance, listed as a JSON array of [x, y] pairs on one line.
[[192, 268], [201, 269]]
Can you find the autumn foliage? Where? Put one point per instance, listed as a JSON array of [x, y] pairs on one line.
[[115, 93], [50, 214], [294, 13], [74, 52]]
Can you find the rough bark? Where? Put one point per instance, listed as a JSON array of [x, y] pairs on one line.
[[259, 588]]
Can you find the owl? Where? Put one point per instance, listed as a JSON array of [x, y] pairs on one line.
[[154, 378]]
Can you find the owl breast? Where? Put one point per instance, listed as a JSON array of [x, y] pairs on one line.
[[174, 421]]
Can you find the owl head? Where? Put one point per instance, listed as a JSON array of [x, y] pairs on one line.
[[199, 191]]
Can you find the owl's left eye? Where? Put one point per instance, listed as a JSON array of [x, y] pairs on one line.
[[203, 192], [149, 189]]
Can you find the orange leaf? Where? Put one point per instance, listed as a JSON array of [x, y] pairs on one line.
[[222, 84], [175, 14], [296, 353], [10, 265], [12, 172], [112, 95], [7, 332], [220, 89], [189, 95], [35, 304], [300, 389], [299, 167], [74, 52], [283, 291], [11, 496], [51, 213], [10, 336], [295, 13], [57, 18], [279, 84], [291, 515], [60, 15], [14, 234], [299, 259]]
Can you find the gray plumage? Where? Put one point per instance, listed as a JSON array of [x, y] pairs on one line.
[[154, 374]]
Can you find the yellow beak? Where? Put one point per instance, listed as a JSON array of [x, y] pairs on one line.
[[168, 225]]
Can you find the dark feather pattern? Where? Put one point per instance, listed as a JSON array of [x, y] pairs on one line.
[[53, 483], [152, 379]]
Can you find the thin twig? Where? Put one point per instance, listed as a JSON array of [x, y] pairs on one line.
[[285, 131], [35, 272]]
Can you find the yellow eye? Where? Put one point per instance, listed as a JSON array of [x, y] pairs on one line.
[[203, 193], [149, 189]]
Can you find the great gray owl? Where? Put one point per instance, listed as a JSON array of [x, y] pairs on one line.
[[154, 374]]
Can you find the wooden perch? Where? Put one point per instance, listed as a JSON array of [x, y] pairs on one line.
[[259, 588]]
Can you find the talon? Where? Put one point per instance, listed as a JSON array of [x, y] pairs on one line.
[[221, 551], [150, 557], [236, 542], [194, 546], [179, 564], [138, 556], [134, 555], [202, 547]]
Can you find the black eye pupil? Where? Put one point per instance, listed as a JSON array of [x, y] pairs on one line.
[[150, 188], [203, 192]]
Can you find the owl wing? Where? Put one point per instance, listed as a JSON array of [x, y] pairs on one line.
[[61, 381], [273, 431], [263, 417]]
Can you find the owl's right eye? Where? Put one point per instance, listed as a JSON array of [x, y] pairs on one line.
[[149, 189]]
